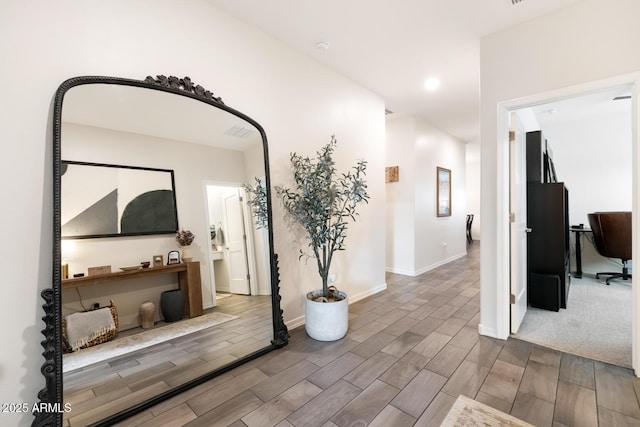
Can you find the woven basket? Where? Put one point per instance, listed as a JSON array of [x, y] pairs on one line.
[[107, 336]]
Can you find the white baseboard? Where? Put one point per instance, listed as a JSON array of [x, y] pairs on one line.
[[294, 323], [414, 273], [488, 332], [400, 271], [368, 293], [299, 321], [440, 263]]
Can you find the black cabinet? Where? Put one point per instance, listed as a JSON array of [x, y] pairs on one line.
[[548, 220]]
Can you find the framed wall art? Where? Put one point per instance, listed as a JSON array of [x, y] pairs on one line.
[[102, 200], [443, 191]]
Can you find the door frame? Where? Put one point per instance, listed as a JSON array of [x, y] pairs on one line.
[[249, 242], [503, 285]]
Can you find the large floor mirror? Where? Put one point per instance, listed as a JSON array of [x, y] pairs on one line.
[[136, 161]]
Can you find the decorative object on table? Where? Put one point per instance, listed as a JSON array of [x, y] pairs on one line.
[[96, 271], [173, 257], [131, 268], [443, 191], [145, 264], [158, 260], [133, 201], [147, 314], [322, 202], [172, 305], [184, 239], [88, 328], [391, 174]]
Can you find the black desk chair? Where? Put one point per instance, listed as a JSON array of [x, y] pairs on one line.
[[612, 237], [469, 223]]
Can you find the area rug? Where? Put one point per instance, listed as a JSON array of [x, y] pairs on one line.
[[596, 323], [467, 412], [127, 344]]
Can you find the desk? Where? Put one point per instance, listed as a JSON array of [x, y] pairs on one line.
[[578, 232], [188, 278]]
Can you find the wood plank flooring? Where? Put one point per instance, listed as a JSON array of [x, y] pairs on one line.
[[102, 389], [410, 351]]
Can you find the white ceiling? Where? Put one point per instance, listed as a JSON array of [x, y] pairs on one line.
[[588, 106], [393, 47]]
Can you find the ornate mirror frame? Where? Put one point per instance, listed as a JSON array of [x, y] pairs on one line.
[[51, 396]]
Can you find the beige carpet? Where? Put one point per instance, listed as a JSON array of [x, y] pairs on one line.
[[596, 323], [467, 412], [127, 344]]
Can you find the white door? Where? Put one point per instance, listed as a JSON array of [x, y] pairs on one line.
[[518, 218], [235, 246]]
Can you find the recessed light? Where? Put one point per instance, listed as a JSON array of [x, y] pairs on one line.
[[432, 84]]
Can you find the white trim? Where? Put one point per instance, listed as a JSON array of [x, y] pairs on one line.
[[400, 271], [483, 330], [423, 270], [368, 293], [502, 218], [440, 263]]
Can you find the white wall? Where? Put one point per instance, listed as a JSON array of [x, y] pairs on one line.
[[419, 240], [473, 186], [299, 103], [592, 156], [588, 41], [400, 196]]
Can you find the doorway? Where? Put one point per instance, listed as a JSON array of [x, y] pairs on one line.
[[597, 320], [503, 244], [232, 260]]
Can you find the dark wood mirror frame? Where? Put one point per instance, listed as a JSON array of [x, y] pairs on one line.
[[51, 396]]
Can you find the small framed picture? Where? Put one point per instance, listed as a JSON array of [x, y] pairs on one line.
[[158, 260], [173, 257], [443, 190]]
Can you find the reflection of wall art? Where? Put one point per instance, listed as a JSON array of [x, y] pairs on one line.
[[444, 192], [100, 200]]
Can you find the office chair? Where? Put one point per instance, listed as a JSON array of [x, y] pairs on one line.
[[612, 237]]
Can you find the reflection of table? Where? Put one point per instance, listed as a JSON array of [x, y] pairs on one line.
[[579, 232], [188, 279]]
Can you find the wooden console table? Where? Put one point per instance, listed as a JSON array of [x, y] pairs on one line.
[[188, 278]]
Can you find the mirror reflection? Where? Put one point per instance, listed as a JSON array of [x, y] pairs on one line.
[[142, 314]]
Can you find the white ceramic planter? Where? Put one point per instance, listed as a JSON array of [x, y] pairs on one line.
[[327, 321]]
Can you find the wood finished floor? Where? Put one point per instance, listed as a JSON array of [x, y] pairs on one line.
[[410, 351], [104, 388]]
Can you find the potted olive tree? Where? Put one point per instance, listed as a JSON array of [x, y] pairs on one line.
[[322, 202]]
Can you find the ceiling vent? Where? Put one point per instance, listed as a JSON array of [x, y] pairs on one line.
[[514, 2], [239, 131]]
